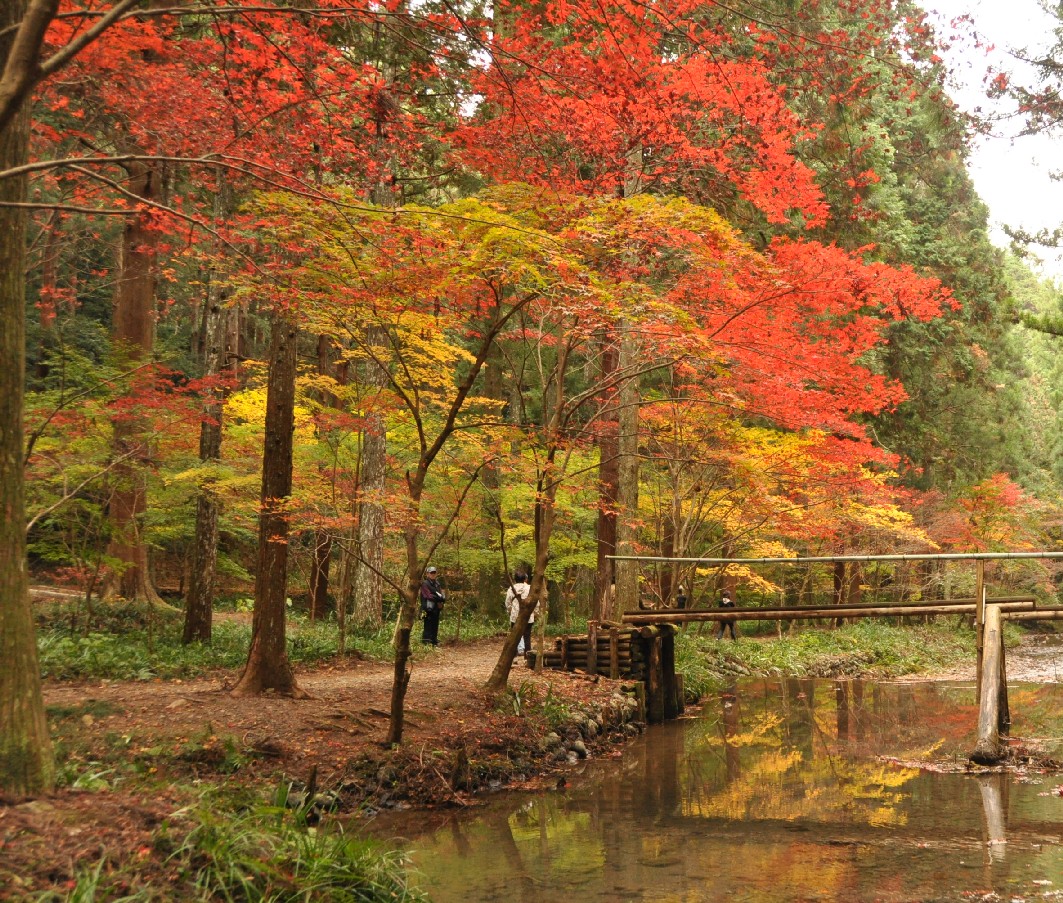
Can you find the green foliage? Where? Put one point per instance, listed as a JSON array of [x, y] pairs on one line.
[[123, 646], [863, 647], [139, 654], [268, 853]]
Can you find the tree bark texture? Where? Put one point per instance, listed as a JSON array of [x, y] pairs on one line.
[[404, 627], [27, 765], [134, 334], [199, 610], [267, 666], [368, 587], [627, 572], [608, 483], [321, 560]]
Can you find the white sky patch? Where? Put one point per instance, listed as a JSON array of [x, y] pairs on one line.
[[1010, 172]]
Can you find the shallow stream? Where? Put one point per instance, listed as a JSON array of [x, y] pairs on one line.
[[779, 790]]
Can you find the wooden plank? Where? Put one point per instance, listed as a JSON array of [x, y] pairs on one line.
[[592, 647], [645, 619], [1036, 614], [667, 614], [564, 653], [989, 750], [614, 653]]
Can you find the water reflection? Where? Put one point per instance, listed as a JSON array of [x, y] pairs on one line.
[[777, 791]]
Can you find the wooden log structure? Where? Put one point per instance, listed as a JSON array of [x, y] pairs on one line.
[[645, 654], [681, 614], [642, 648], [654, 677], [1049, 613], [668, 679], [990, 748], [836, 611]]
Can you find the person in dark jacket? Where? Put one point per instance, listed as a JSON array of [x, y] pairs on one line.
[[432, 600], [727, 623]]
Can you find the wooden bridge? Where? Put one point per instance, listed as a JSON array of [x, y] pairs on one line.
[[642, 647]]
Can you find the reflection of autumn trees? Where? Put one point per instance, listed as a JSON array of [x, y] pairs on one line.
[[807, 750], [761, 792]]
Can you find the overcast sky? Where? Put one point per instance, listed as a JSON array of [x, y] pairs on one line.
[[1011, 173]]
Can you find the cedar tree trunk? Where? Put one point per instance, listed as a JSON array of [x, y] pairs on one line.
[[134, 334], [26, 762], [368, 589], [267, 666]]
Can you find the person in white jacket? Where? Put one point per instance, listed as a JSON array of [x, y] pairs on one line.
[[517, 593]]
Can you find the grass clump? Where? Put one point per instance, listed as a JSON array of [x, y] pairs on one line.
[[122, 648], [139, 654], [865, 647], [265, 854]]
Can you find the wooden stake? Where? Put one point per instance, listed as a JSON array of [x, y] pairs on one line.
[[979, 621], [668, 672], [989, 750]]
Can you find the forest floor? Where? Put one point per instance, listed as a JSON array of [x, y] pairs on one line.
[[135, 752]]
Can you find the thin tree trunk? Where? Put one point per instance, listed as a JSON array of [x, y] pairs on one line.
[[320, 565], [627, 572], [27, 765], [348, 558], [321, 560], [547, 485], [49, 294], [608, 485], [404, 626], [199, 610], [267, 666], [368, 587]]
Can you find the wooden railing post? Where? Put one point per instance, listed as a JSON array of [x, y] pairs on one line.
[[671, 707], [654, 683], [1004, 707], [979, 623], [989, 749]]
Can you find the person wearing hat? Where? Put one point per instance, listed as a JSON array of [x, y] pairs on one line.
[[432, 599], [726, 623]]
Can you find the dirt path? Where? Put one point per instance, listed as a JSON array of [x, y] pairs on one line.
[[349, 703], [196, 729]]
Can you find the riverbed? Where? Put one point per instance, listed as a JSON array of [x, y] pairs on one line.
[[778, 790]]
